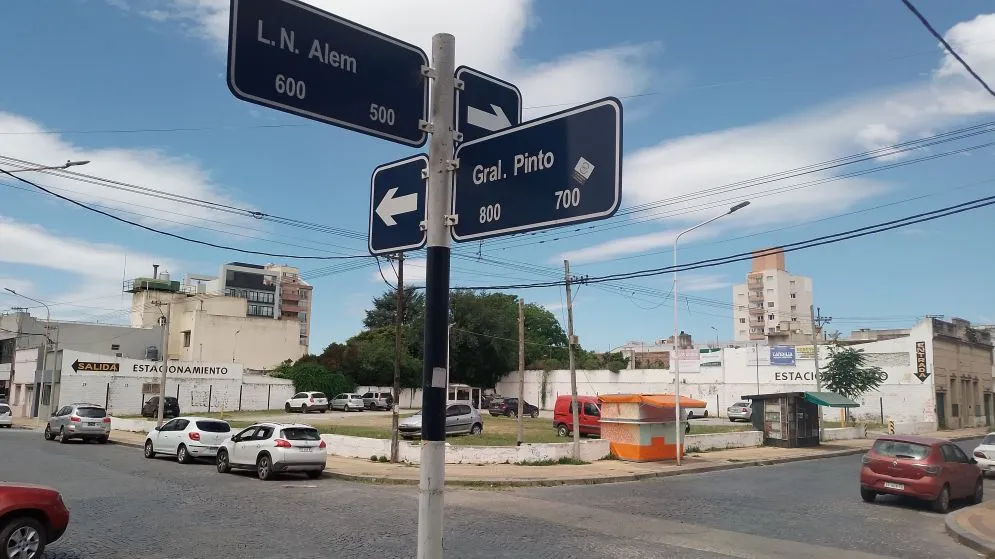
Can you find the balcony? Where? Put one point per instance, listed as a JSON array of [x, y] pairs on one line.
[[756, 309], [290, 293], [290, 307], [753, 295]]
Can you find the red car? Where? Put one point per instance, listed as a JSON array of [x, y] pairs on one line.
[[31, 517], [930, 469]]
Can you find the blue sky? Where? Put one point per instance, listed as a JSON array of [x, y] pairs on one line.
[[714, 93]]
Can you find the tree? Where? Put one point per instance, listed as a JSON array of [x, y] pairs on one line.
[[847, 372], [385, 308], [370, 360], [308, 376]]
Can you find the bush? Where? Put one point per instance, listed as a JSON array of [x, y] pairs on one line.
[[311, 376]]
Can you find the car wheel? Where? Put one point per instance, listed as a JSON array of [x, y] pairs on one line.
[[476, 429], [941, 503], [690, 415], [149, 450], [48, 433], [867, 495], [303, 408], [22, 537], [562, 430], [313, 474], [183, 455], [322, 410], [706, 413], [535, 413], [979, 492], [286, 408], [62, 436], [224, 466], [264, 467]]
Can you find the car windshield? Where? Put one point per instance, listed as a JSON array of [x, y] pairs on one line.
[[4, 408], [300, 434], [368, 395], [213, 426], [901, 449], [91, 412], [318, 395], [989, 440]]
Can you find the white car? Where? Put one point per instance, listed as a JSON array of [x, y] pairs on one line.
[[984, 453], [6, 416], [187, 438], [305, 402], [274, 448]]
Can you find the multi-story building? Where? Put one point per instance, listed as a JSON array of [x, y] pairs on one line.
[[294, 298], [773, 305]]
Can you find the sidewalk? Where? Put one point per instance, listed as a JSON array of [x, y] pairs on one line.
[[974, 527], [603, 471]]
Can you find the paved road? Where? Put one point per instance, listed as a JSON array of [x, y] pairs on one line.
[[124, 506]]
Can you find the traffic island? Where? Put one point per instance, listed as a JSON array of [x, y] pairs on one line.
[[974, 527]]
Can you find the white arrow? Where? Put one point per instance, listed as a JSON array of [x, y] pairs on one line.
[[390, 206], [488, 121]]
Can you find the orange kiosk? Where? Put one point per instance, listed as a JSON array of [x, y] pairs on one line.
[[640, 427]]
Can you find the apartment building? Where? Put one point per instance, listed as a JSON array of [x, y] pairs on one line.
[[773, 305]]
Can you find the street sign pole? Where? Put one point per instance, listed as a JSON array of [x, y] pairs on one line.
[[431, 485]]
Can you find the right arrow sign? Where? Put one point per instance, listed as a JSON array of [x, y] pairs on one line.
[[559, 169], [485, 104], [397, 206]]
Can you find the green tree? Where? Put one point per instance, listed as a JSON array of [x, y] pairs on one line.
[[385, 309], [370, 360], [847, 372], [309, 375]]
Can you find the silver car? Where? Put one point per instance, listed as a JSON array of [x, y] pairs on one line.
[[79, 421], [6, 416], [347, 402], [740, 411], [461, 417]]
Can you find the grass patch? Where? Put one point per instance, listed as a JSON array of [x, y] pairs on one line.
[[566, 460]]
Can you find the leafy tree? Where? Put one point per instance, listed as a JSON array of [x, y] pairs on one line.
[[385, 309], [371, 360], [847, 372], [308, 376]]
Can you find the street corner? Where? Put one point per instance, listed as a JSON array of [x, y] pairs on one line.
[[974, 526]]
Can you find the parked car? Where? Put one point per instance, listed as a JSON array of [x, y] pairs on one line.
[[305, 402], [509, 407], [88, 422], [929, 469], [740, 411], [187, 438], [273, 448], [378, 400], [588, 414], [6, 416], [984, 453], [461, 417], [31, 517], [346, 402], [170, 409], [697, 413]]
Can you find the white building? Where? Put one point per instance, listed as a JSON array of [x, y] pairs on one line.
[[939, 374], [772, 305]]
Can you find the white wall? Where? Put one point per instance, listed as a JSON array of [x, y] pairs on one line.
[[722, 441], [364, 447], [905, 398]]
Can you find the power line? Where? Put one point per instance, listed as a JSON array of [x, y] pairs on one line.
[[947, 46], [180, 237]]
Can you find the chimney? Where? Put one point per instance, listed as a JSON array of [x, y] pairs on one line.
[[155, 271]]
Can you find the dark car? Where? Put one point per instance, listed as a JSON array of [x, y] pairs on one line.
[[933, 470], [31, 517], [171, 408], [509, 407]]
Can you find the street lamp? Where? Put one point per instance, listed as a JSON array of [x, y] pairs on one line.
[[234, 344], [65, 165], [716, 336], [44, 359], [676, 360]]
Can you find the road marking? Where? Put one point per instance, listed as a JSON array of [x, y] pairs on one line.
[[649, 529]]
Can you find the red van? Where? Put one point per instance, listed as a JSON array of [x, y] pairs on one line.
[[589, 416]]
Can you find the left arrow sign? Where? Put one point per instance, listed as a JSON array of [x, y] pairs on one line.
[[391, 206]]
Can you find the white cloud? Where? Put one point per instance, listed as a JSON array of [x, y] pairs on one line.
[[683, 169], [414, 272], [96, 269], [28, 141], [487, 37]]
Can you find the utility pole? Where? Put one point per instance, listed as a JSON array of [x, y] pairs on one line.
[[398, 320], [817, 321], [571, 340], [521, 370], [164, 320], [435, 369]]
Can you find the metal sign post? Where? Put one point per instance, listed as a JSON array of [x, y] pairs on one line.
[[431, 485]]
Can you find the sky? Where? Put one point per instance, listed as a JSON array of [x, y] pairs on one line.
[[716, 95]]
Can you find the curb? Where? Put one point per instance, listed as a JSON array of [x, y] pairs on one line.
[[967, 538]]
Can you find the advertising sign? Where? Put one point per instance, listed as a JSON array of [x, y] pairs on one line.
[[782, 355], [922, 372], [805, 352], [710, 357]]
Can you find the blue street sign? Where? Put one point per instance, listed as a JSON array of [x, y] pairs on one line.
[[295, 58], [486, 104], [559, 169], [397, 205]]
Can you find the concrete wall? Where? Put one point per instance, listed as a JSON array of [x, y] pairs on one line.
[[364, 447], [722, 441], [843, 433], [260, 343]]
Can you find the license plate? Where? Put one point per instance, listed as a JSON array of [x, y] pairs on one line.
[[93, 424], [898, 486], [307, 449]]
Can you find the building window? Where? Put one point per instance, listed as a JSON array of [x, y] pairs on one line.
[[793, 307], [304, 341], [741, 321], [792, 283], [303, 293], [770, 292], [770, 304], [303, 316], [115, 347], [769, 317], [793, 296], [768, 277], [186, 338], [793, 319]]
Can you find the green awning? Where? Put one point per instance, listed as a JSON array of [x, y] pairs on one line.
[[830, 400]]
